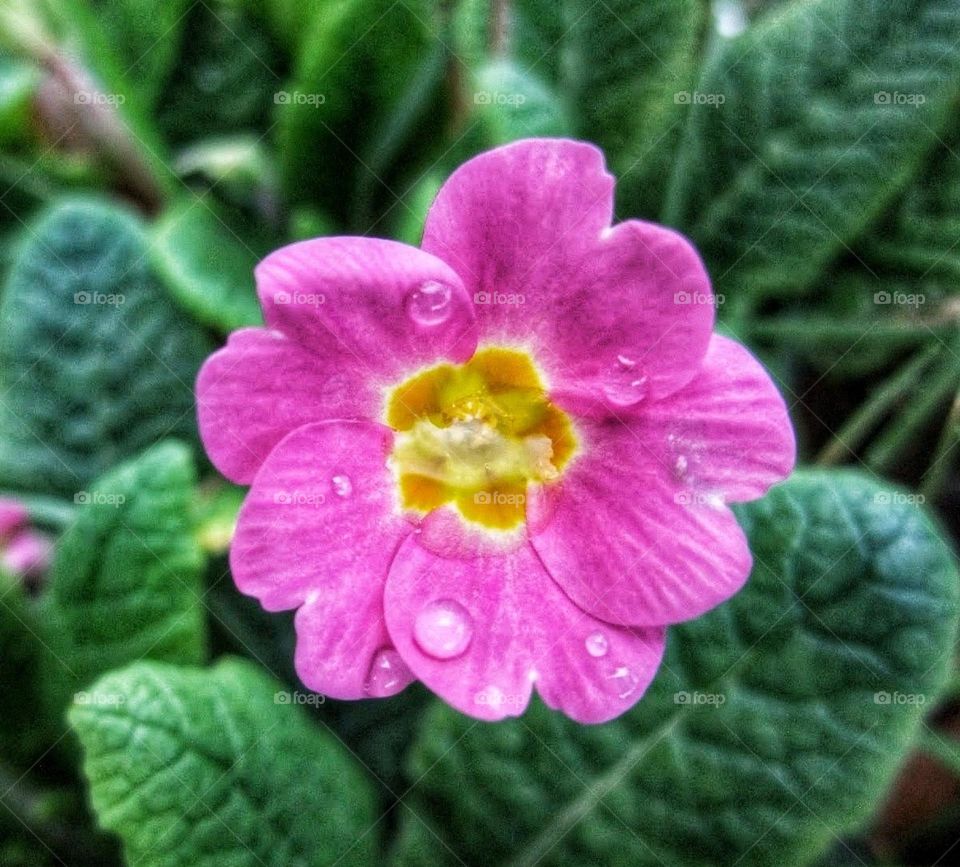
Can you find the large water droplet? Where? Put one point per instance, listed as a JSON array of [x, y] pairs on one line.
[[597, 645], [626, 383], [624, 680], [430, 304], [342, 486], [680, 467], [443, 629], [388, 674]]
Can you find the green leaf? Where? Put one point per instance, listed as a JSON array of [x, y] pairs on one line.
[[776, 721], [95, 362], [126, 578], [629, 67], [208, 269], [195, 766], [607, 72], [350, 85], [531, 33], [918, 239], [115, 103], [804, 128], [146, 36], [18, 86], [225, 77], [512, 104]]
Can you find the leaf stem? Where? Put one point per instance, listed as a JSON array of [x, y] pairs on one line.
[[901, 430], [858, 426]]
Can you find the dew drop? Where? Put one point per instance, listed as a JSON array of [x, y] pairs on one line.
[[430, 304], [597, 645], [342, 486], [624, 680], [626, 383], [388, 674], [443, 629], [680, 467]]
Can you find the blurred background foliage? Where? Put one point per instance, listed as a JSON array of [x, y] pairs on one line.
[[153, 152]]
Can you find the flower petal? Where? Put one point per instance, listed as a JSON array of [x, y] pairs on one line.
[[633, 323], [263, 385], [527, 227], [386, 307], [627, 541], [521, 632], [728, 432], [319, 529], [13, 516]]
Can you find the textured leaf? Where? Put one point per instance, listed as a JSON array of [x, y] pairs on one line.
[[607, 72], [775, 722], [829, 108], [207, 269], [95, 362], [629, 67], [195, 766], [126, 578]]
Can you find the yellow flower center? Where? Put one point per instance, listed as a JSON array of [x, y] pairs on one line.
[[475, 435]]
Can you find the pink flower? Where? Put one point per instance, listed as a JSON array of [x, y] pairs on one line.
[[23, 551], [498, 463]]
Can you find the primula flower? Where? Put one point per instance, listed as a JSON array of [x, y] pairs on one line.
[[23, 551], [500, 462]]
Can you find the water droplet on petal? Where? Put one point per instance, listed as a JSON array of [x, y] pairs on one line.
[[342, 486], [388, 674], [626, 383], [430, 304], [624, 680], [680, 467], [597, 645], [443, 629]]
